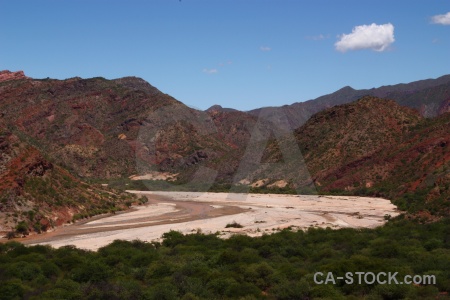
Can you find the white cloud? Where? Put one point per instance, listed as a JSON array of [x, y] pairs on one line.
[[210, 71], [373, 36], [265, 48], [441, 19]]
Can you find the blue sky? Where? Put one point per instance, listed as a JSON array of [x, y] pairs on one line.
[[237, 53]]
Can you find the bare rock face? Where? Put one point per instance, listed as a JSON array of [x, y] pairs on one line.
[[8, 75]]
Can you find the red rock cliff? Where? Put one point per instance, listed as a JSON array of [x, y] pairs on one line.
[[8, 75]]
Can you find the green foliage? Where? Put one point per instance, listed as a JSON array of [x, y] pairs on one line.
[[22, 228], [198, 266], [10, 235], [11, 289], [233, 224]]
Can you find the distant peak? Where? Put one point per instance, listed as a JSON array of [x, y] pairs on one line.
[[219, 108], [346, 88], [137, 83], [132, 78], [215, 107], [8, 75]]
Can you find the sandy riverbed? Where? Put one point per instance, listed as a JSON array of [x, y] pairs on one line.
[[189, 212]]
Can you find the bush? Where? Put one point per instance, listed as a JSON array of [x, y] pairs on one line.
[[22, 228], [162, 291], [11, 289], [198, 266], [234, 224], [10, 235]]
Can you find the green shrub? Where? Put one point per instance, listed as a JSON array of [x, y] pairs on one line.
[[234, 224]]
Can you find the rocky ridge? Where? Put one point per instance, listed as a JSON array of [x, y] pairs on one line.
[[8, 75]]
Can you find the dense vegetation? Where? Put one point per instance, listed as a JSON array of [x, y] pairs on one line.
[[198, 266]]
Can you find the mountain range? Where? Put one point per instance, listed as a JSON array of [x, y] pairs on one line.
[[76, 133], [431, 97]]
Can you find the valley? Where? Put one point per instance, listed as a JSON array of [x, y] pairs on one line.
[[212, 213], [222, 150], [112, 189]]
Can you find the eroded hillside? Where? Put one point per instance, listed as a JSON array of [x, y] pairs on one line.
[[36, 194]]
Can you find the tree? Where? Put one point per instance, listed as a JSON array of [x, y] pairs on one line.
[[10, 235], [22, 228]]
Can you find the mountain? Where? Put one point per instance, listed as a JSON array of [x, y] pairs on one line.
[[376, 147], [431, 97], [99, 129], [93, 126]]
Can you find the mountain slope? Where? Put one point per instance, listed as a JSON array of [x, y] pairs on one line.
[[37, 194], [92, 126], [350, 132], [415, 172], [374, 146]]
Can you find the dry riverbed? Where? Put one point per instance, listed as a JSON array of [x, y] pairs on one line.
[[190, 212]]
